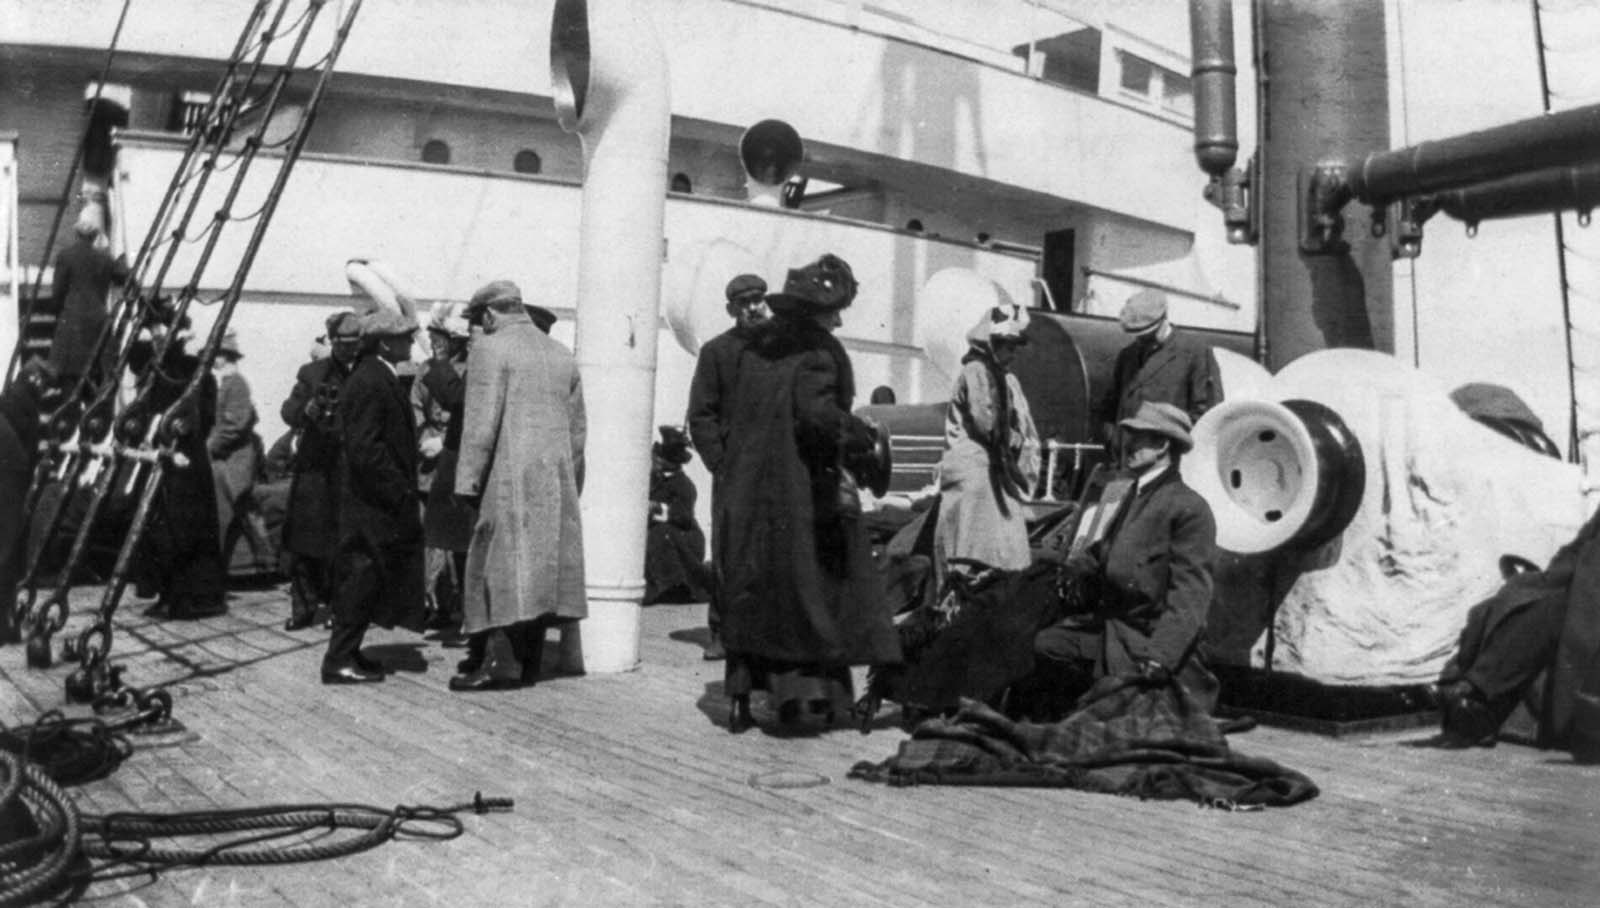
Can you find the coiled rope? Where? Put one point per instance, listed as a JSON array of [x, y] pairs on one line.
[[42, 832]]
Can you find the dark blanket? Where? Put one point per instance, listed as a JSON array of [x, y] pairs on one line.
[[1128, 736], [974, 642]]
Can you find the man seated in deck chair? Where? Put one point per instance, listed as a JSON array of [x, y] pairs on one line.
[[1138, 597], [1535, 642]]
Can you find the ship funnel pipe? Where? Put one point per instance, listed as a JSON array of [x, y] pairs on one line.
[[771, 152], [1216, 130], [610, 81]]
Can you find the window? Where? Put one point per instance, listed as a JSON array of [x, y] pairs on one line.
[[527, 161], [189, 113], [1137, 73], [1155, 85], [1071, 59], [436, 152], [108, 111], [1177, 93]]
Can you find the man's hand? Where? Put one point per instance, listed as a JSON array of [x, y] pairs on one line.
[[430, 447]]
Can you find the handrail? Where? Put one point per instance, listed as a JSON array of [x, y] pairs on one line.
[[1217, 300]]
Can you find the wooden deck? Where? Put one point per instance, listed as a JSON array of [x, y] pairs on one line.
[[628, 791]]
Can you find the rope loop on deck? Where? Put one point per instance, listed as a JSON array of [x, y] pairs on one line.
[[46, 834]]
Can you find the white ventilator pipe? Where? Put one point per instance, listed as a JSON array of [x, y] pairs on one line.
[[610, 81]]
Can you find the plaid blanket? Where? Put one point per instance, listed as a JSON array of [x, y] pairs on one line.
[[1129, 736]]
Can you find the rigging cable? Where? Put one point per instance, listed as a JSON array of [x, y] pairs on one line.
[[1561, 256]]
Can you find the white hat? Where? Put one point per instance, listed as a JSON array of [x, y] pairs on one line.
[[1006, 321], [450, 318]]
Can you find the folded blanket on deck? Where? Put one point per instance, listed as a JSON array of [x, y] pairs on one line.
[[1129, 736]]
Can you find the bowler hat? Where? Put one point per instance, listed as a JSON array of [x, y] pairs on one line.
[[825, 285], [343, 324], [745, 285], [1162, 419], [1144, 311], [386, 323], [673, 446]]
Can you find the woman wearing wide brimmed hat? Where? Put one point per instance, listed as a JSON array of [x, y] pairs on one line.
[[801, 598], [991, 456], [675, 546]]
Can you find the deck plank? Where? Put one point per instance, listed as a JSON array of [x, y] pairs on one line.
[[629, 791]]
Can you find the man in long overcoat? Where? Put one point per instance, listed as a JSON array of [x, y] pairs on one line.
[[311, 524], [1162, 364], [521, 459], [710, 399], [378, 565]]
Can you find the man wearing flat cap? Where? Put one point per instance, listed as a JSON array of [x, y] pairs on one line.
[[521, 461], [311, 523], [1161, 364], [715, 375], [1145, 586], [379, 562]]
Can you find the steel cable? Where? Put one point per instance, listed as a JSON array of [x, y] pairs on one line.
[[45, 833]]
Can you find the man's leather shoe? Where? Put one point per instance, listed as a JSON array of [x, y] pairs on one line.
[[371, 666], [499, 669], [299, 622], [484, 680], [1467, 719], [350, 674]]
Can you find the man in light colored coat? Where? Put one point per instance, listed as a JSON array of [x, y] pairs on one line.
[[521, 461]]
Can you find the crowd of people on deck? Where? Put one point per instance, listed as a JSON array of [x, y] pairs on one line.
[[453, 503], [450, 499]]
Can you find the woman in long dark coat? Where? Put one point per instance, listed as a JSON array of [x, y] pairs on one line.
[[675, 546], [803, 600], [181, 553]]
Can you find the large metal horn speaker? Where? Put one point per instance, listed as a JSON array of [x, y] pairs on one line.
[[1277, 475], [771, 152]]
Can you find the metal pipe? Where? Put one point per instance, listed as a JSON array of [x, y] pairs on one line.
[[1218, 300], [1550, 140], [1553, 189], [1329, 58], [1216, 130], [610, 80]]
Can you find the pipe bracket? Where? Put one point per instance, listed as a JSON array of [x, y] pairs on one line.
[[1324, 191]]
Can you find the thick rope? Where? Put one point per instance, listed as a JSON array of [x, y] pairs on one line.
[[42, 832]]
